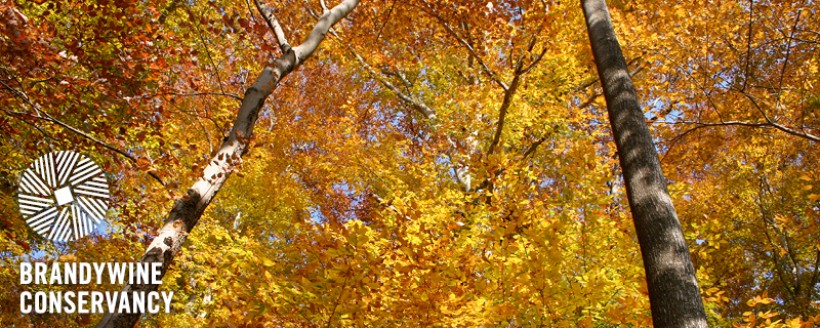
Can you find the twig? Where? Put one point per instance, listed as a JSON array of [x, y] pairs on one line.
[[778, 125], [786, 62], [389, 14], [422, 108], [194, 94], [510, 92], [748, 46], [207, 49], [48, 118], [469, 48]]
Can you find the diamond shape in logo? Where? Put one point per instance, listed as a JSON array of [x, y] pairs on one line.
[[63, 196]]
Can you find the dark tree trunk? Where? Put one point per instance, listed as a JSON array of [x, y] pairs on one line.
[[673, 290]]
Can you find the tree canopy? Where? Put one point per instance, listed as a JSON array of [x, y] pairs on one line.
[[433, 163]]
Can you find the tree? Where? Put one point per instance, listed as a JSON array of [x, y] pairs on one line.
[[187, 210], [673, 290], [402, 178]]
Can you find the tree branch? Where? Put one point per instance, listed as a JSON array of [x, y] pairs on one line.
[[529, 152], [778, 125], [187, 210], [207, 48], [502, 113], [469, 48], [748, 46], [196, 94], [389, 206], [48, 118], [786, 62], [419, 106], [510, 92], [274, 26], [461, 171]]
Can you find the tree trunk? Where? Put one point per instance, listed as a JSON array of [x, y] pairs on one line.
[[673, 290], [188, 209]]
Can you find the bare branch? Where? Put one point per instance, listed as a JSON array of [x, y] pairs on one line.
[[460, 171], [389, 14], [701, 125], [18, 115], [530, 47], [419, 106], [509, 93], [461, 176], [398, 75], [726, 123]]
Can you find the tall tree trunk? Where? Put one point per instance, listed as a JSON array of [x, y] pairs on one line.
[[188, 209], [673, 290]]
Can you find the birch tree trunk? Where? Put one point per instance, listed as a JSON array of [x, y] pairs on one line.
[[188, 209], [673, 290]]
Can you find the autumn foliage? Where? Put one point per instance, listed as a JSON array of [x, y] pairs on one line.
[[433, 163]]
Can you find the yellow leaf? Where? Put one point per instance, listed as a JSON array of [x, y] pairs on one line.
[[267, 262]]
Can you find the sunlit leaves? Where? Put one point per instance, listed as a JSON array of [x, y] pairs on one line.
[[347, 210]]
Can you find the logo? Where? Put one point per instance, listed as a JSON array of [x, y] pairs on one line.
[[63, 196]]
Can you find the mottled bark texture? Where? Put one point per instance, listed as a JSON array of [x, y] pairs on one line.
[[673, 290], [188, 209]]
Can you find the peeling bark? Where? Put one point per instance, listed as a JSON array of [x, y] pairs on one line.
[[674, 296], [188, 209]]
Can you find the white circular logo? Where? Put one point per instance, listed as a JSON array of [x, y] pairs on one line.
[[63, 196]]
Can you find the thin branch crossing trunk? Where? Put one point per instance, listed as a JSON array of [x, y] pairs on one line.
[[188, 209], [673, 290]]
